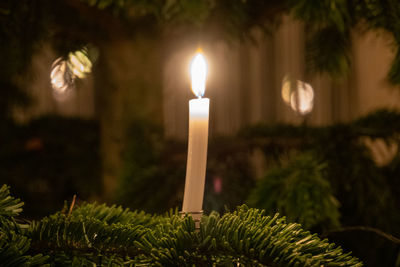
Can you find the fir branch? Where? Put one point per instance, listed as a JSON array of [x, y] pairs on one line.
[[85, 235], [9, 206], [245, 237], [13, 244]]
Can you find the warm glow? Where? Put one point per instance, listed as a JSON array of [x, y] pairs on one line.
[[298, 95], [79, 63], [302, 100], [65, 70], [59, 76], [286, 89], [62, 80], [198, 72]]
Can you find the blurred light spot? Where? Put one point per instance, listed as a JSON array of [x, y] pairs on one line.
[[302, 99], [286, 89], [61, 78], [79, 63], [383, 152], [217, 182], [65, 71], [34, 144], [298, 95]]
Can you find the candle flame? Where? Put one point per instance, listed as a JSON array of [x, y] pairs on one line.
[[198, 72]]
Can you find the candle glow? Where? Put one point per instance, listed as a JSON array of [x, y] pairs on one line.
[[198, 72]]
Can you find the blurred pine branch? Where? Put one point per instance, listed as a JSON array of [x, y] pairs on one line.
[[301, 191]]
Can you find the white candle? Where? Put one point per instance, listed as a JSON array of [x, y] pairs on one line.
[[198, 139]]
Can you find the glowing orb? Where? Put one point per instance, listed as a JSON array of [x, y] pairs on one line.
[[60, 77], [302, 99], [65, 71], [79, 63]]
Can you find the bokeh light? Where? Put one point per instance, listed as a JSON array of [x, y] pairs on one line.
[[61, 78], [79, 63], [286, 89], [298, 95], [65, 71], [302, 99]]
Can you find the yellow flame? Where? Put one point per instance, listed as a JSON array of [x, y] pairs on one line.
[[198, 72]]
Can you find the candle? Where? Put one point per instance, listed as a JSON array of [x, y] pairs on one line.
[[198, 139]]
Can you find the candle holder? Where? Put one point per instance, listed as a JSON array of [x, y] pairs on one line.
[[196, 216]]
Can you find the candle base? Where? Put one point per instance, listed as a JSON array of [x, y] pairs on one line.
[[196, 216]]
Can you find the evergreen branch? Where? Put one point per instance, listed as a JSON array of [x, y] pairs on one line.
[[13, 244], [9, 206], [13, 248], [301, 191], [245, 236], [99, 235], [115, 214], [248, 234], [86, 235]]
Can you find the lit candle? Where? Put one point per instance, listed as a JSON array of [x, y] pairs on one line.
[[198, 139]]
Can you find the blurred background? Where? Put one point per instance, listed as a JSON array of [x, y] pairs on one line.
[[304, 115]]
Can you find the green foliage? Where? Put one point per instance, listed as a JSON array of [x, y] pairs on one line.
[[328, 39], [300, 191], [329, 24], [366, 192], [13, 243], [381, 123], [9, 207], [98, 235], [339, 167], [226, 19], [245, 236], [327, 50], [358, 183], [84, 238]]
